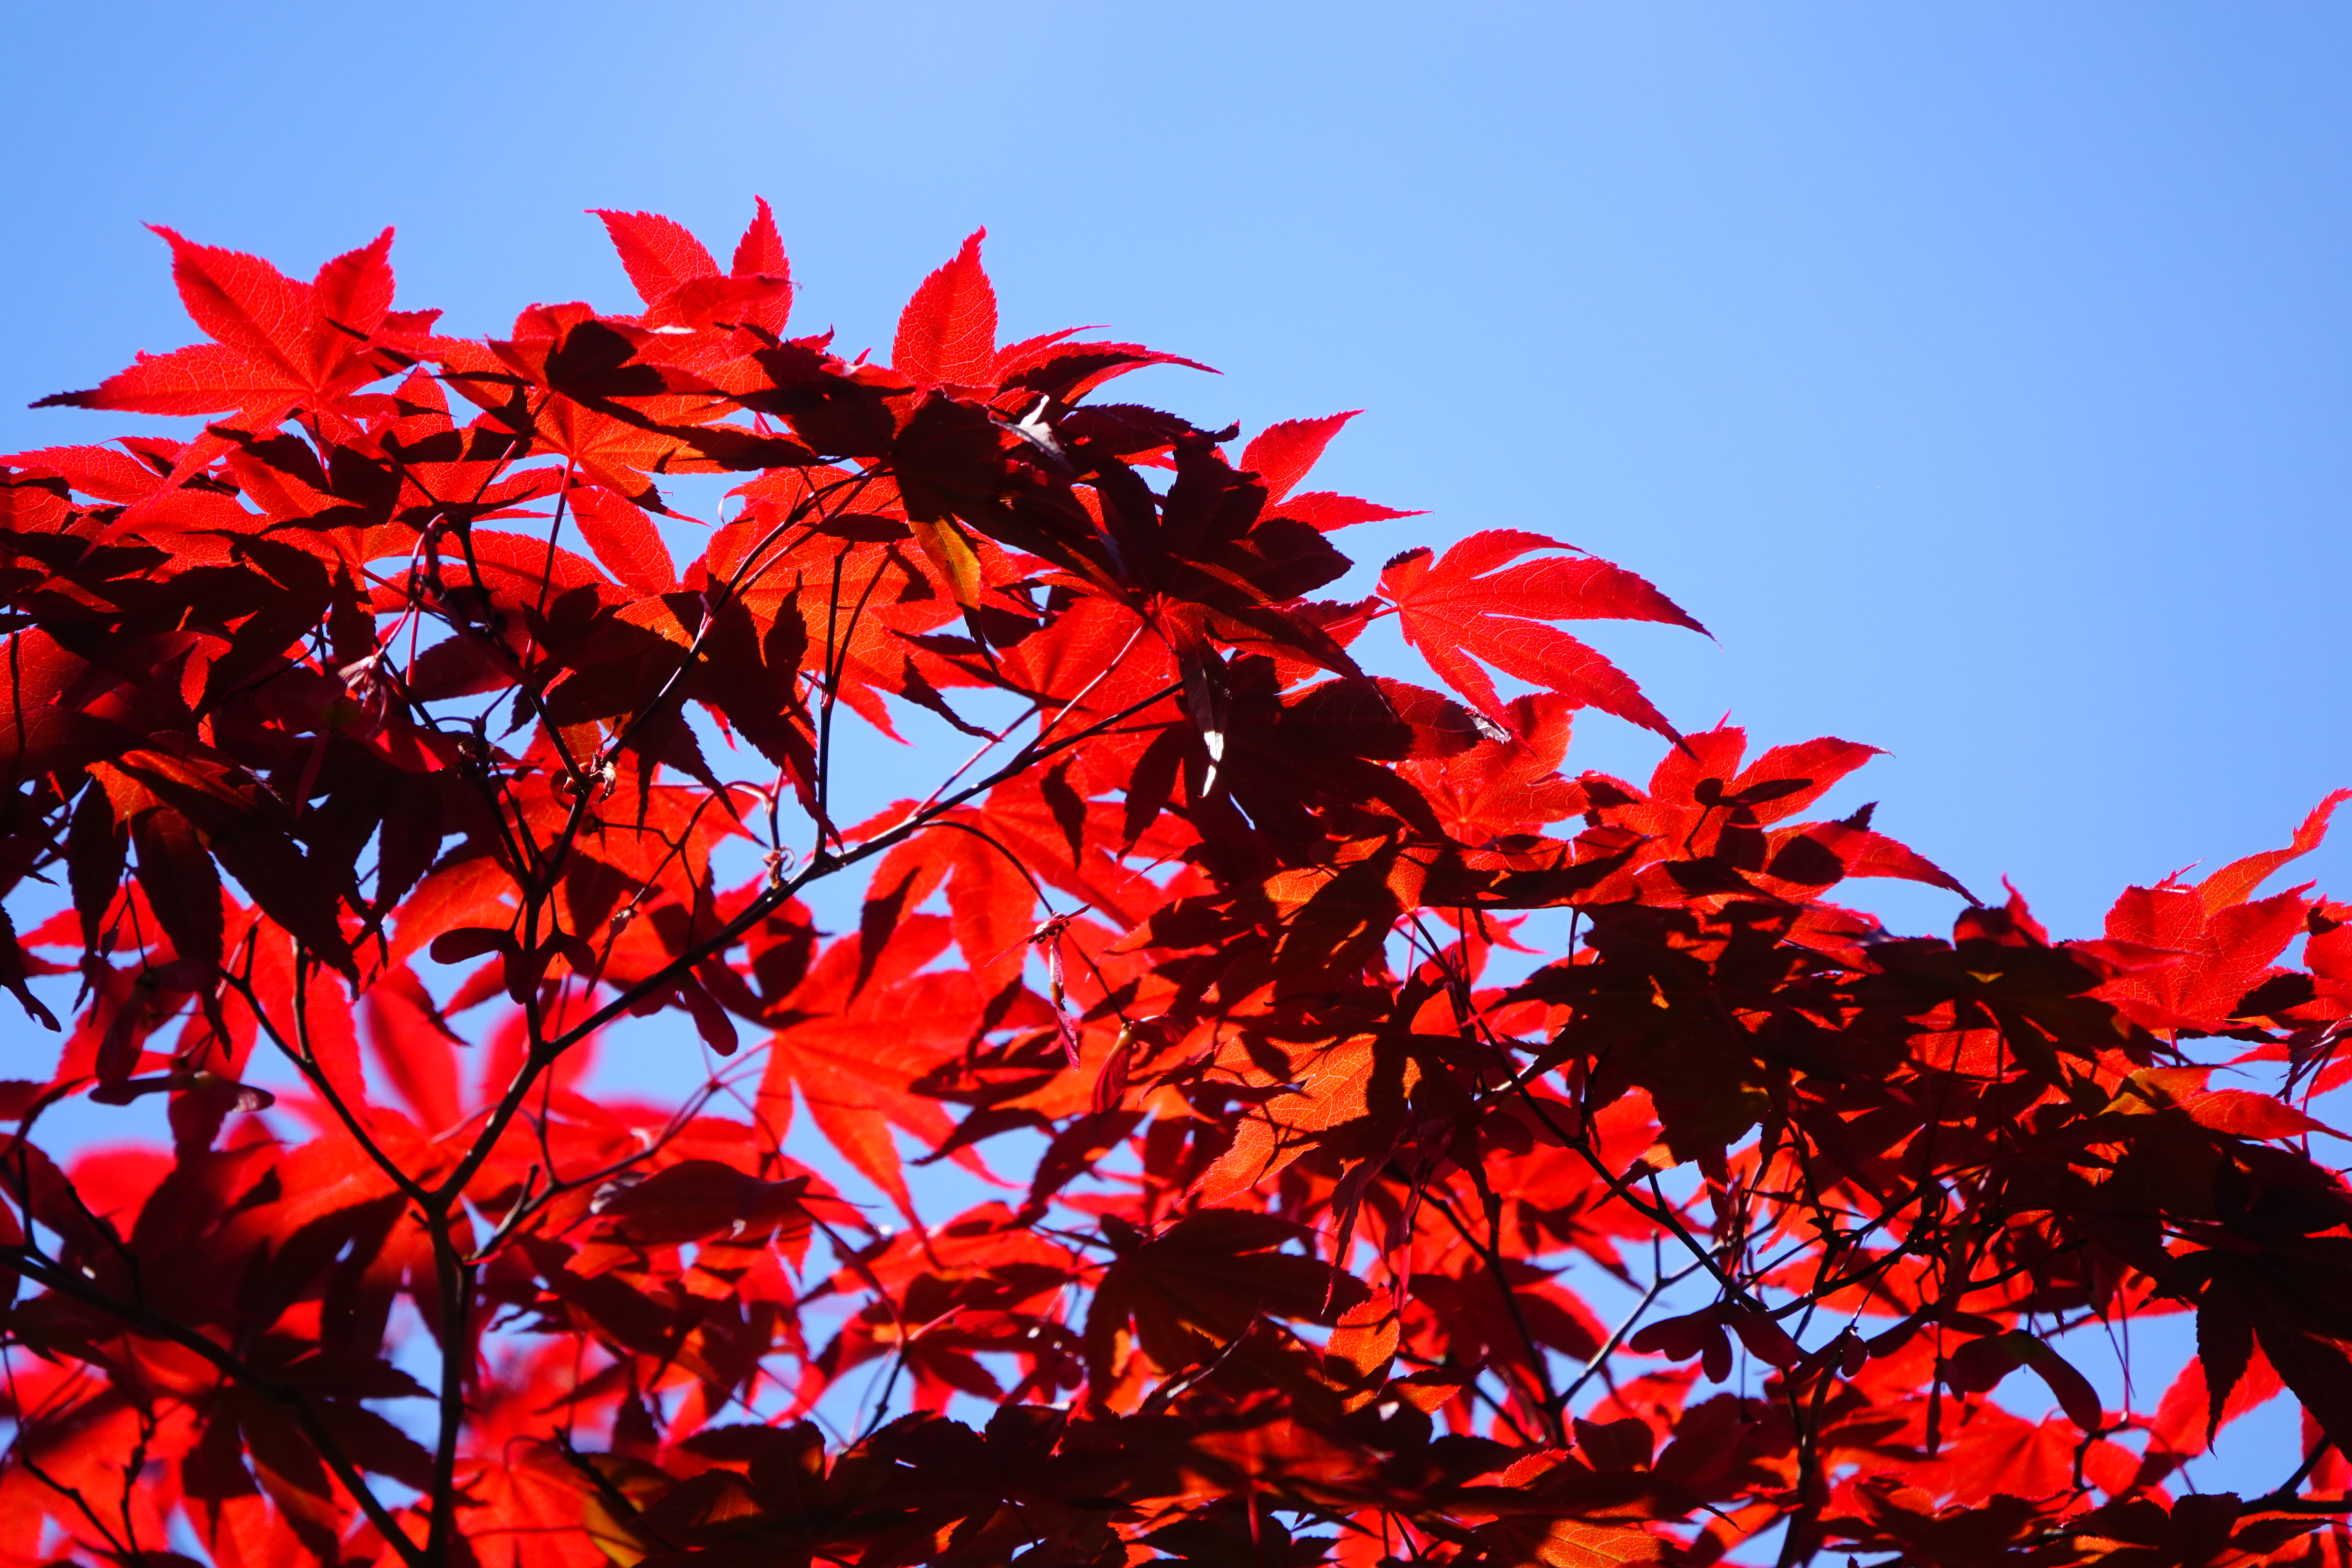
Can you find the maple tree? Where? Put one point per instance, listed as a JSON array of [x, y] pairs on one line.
[[374, 730]]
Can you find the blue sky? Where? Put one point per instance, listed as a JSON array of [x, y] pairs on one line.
[[1979, 374]]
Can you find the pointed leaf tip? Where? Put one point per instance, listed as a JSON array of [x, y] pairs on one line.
[[948, 330], [1281, 455], [760, 251], [658, 253], [2236, 882]]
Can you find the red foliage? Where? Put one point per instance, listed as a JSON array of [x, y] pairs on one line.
[[397, 745]]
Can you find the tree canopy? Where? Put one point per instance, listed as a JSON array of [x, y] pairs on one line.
[[374, 728]]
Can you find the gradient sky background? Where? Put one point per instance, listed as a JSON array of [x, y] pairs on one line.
[[1979, 374]]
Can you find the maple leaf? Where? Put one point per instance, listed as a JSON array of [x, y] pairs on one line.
[[624, 539], [1281, 456], [681, 284], [658, 254], [1197, 1287], [278, 344], [947, 332], [2227, 942], [859, 993], [1472, 605]]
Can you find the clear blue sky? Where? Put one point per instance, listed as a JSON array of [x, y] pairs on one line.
[[1978, 373]]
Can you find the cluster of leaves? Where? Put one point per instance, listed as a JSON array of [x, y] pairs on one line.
[[375, 728]]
